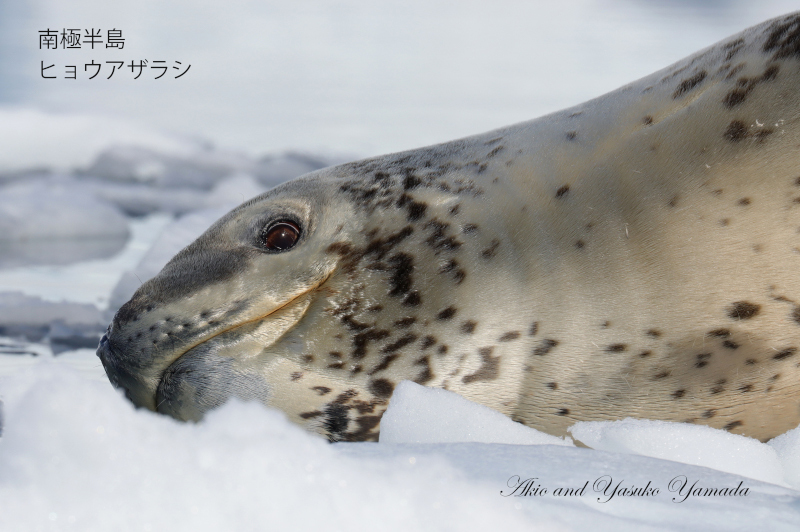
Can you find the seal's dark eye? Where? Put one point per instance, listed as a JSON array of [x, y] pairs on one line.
[[281, 235]]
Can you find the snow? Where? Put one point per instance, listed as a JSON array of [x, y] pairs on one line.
[[685, 443], [75, 455], [418, 414], [787, 446]]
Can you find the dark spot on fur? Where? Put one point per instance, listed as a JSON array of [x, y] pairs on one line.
[[751, 361], [321, 390], [689, 83], [427, 372], [336, 365], [544, 347], [784, 38], [730, 344], [534, 328], [413, 299], [552, 385], [495, 151], [732, 425], [336, 421], [381, 388], [308, 359], [786, 353], [563, 412], [616, 348], [375, 308], [719, 333], [427, 342], [673, 201], [571, 135], [416, 210], [468, 327], [400, 343], [454, 209], [645, 354], [702, 360], [579, 244], [743, 310], [507, 337], [746, 388], [662, 375], [362, 339], [561, 192], [762, 134], [737, 130], [653, 333], [442, 349], [356, 369], [411, 182], [647, 120], [719, 387], [402, 268], [447, 313], [708, 414], [385, 363], [297, 375], [743, 202], [677, 394], [796, 315], [470, 229]]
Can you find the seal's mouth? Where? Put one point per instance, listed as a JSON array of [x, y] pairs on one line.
[[240, 341], [148, 374]]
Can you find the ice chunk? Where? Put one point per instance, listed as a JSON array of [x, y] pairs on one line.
[[682, 442], [58, 208], [418, 414], [788, 448], [64, 324], [196, 169]]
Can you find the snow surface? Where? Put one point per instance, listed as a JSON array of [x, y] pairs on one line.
[[75, 455], [689, 444], [418, 414]]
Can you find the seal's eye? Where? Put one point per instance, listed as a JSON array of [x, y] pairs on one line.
[[281, 235]]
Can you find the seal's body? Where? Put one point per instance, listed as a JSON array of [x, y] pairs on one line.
[[637, 255]]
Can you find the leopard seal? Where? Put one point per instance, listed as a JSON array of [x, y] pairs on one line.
[[636, 255]]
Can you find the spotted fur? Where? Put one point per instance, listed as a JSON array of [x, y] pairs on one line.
[[634, 256]]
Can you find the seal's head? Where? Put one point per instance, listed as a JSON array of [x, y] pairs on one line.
[[316, 297], [191, 337]]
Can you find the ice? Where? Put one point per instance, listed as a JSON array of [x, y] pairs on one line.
[[64, 325], [52, 209], [418, 414], [196, 169], [75, 455], [686, 443], [788, 448]]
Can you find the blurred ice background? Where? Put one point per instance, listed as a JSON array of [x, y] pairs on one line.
[[102, 181]]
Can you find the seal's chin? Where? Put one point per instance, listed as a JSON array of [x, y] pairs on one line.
[[221, 367]]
